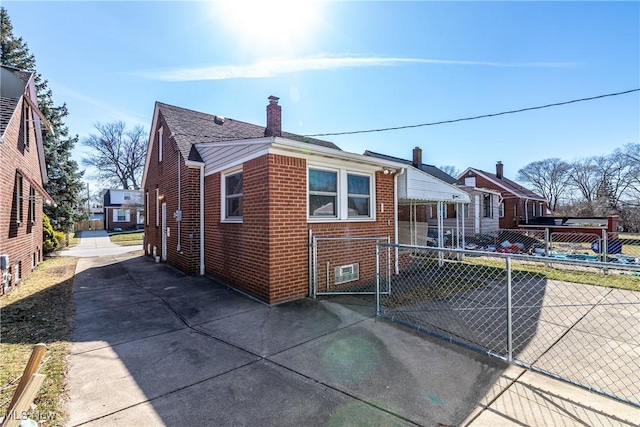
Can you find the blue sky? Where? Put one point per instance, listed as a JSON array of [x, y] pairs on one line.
[[345, 66]]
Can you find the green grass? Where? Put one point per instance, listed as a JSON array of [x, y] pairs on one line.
[[127, 239], [566, 273], [39, 310]]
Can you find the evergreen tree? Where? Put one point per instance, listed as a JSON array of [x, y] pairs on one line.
[[65, 179]]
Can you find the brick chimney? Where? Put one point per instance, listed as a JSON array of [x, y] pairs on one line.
[[499, 169], [274, 118], [417, 157]]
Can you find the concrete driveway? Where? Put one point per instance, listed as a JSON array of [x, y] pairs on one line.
[[97, 243], [152, 347]]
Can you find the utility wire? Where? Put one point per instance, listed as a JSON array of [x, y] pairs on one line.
[[474, 117]]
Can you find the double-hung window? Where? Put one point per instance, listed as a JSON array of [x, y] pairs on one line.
[[32, 205], [232, 196], [487, 208], [323, 193], [359, 195], [339, 194]]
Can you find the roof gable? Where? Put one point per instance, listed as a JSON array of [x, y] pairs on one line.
[[188, 127], [505, 184]]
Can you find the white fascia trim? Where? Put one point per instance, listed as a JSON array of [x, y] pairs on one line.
[[193, 164], [307, 150], [154, 123]]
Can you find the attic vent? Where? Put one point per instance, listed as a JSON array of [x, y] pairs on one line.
[[346, 273], [219, 120]]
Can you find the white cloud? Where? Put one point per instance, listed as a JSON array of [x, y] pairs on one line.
[[273, 68]]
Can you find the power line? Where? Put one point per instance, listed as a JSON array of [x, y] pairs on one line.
[[474, 117]]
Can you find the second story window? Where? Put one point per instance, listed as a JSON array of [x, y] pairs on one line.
[[160, 131], [27, 125]]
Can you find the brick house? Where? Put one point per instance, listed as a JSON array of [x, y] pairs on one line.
[[238, 201], [23, 173], [518, 205], [123, 209]]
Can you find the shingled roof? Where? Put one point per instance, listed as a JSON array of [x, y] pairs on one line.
[[430, 169], [13, 85], [193, 127], [510, 186]]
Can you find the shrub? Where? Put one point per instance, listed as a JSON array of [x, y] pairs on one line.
[[50, 238], [61, 237]]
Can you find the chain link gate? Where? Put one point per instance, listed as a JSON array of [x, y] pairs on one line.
[[573, 320], [347, 265]]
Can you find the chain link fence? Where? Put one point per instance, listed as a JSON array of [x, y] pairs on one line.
[[570, 319], [597, 245], [347, 265]]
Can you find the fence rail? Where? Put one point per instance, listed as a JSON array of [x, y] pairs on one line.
[[572, 319], [598, 245]]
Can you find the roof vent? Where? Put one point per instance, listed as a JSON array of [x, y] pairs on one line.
[[219, 120]]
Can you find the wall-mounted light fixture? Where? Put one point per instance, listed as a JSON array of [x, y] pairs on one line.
[[388, 171]]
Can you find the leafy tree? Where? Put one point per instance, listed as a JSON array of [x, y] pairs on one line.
[[550, 177], [65, 178], [119, 154]]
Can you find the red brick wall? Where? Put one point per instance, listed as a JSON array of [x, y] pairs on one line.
[[110, 224], [267, 255], [22, 241], [164, 176]]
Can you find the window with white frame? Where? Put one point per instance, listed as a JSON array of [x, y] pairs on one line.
[[121, 215], [339, 194], [540, 212], [359, 195], [232, 196], [466, 207], [323, 193], [160, 132], [127, 197], [501, 209]]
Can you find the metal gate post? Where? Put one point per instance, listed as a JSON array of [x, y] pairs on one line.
[[377, 278], [547, 243], [604, 247], [388, 265], [509, 314], [314, 248]]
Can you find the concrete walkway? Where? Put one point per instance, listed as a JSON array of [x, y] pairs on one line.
[[97, 243], [152, 347]]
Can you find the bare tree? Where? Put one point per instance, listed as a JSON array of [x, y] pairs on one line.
[[550, 177], [451, 170], [119, 153]]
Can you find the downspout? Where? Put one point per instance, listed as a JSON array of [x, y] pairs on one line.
[[395, 218], [179, 213], [202, 219]]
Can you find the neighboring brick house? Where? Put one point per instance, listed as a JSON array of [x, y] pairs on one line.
[[122, 209], [518, 204], [22, 174], [480, 206], [238, 201]]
